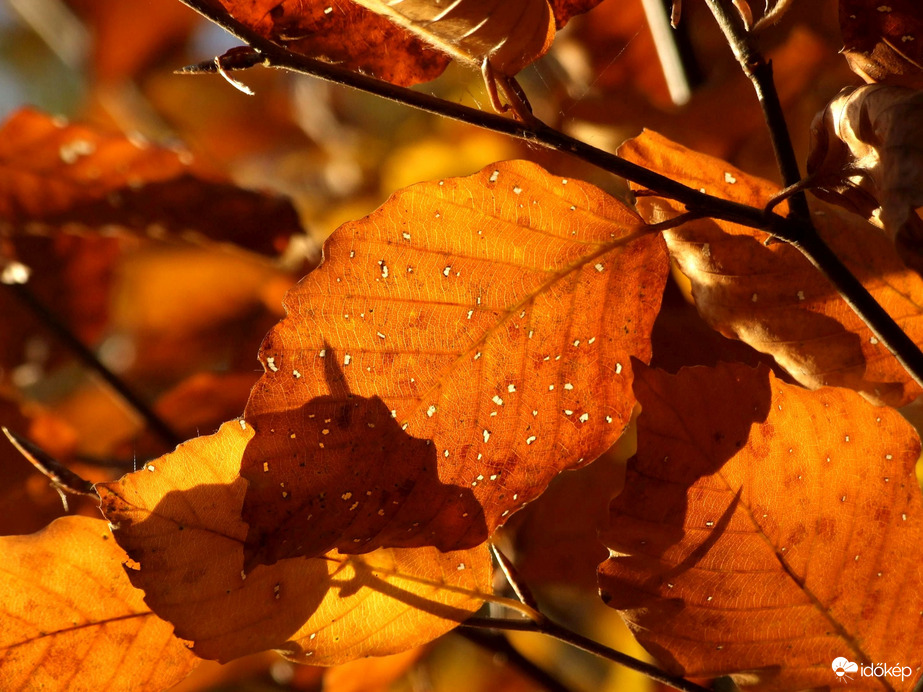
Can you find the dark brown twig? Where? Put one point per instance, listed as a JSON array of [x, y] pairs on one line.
[[79, 349]]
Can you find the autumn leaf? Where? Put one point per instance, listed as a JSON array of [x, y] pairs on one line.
[[772, 297], [411, 42], [69, 616], [883, 42], [766, 530], [455, 351], [55, 175], [866, 155], [179, 519], [509, 34]]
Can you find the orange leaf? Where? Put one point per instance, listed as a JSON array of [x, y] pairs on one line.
[[491, 318], [766, 530], [344, 33], [883, 41], [179, 519], [54, 174], [772, 297], [69, 619]]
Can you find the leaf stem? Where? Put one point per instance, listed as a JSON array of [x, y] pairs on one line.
[[553, 629], [78, 348], [759, 71]]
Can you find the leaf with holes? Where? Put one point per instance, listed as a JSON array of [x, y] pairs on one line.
[[179, 519], [411, 41], [765, 530], [455, 351], [69, 615], [883, 41], [771, 297], [56, 175]]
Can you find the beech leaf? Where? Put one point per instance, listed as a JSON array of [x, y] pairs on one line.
[[766, 530], [867, 155], [883, 41], [773, 298], [179, 519], [56, 175], [412, 41], [70, 620], [455, 351]]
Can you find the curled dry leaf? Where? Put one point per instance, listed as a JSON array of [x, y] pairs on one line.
[[766, 530], [179, 520], [70, 620], [868, 156], [883, 41], [57, 175], [455, 351], [771, 297]]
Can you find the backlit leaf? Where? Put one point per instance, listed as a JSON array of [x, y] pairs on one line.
[[179, 520], [57, 175], [765, 530], [772, 297], [70, 620], [883, 41], [410, 42], [456, 350]]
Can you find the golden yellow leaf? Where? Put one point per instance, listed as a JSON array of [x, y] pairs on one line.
[[179, 520], [71, 621]]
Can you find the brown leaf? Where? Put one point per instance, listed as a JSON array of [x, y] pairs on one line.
[[55, 175], [772, 297], [71, 621], [347, 35], [491, 318], [883, 41], [509, 34], [766, 530], [866, 154], [179, 520]]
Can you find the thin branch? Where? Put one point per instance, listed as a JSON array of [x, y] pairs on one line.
[[553, 629], [796, 229], [498, 644], [78, 348], [759, 71]]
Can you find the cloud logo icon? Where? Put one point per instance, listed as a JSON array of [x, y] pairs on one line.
[[841, 666]]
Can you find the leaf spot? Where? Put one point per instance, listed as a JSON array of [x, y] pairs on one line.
[[347, 359], [446, 454], [72, 151], [584, 418], [271, 364], [729, 178], [322, 353], [296, 374], [511, 388], [517, 190], [494, 176], [530, 440], [276, 591], [405, 235], [461, 566], [568, 386], [600, 267], [486, 435], [431, 410], [447, 271], [497, 400]]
